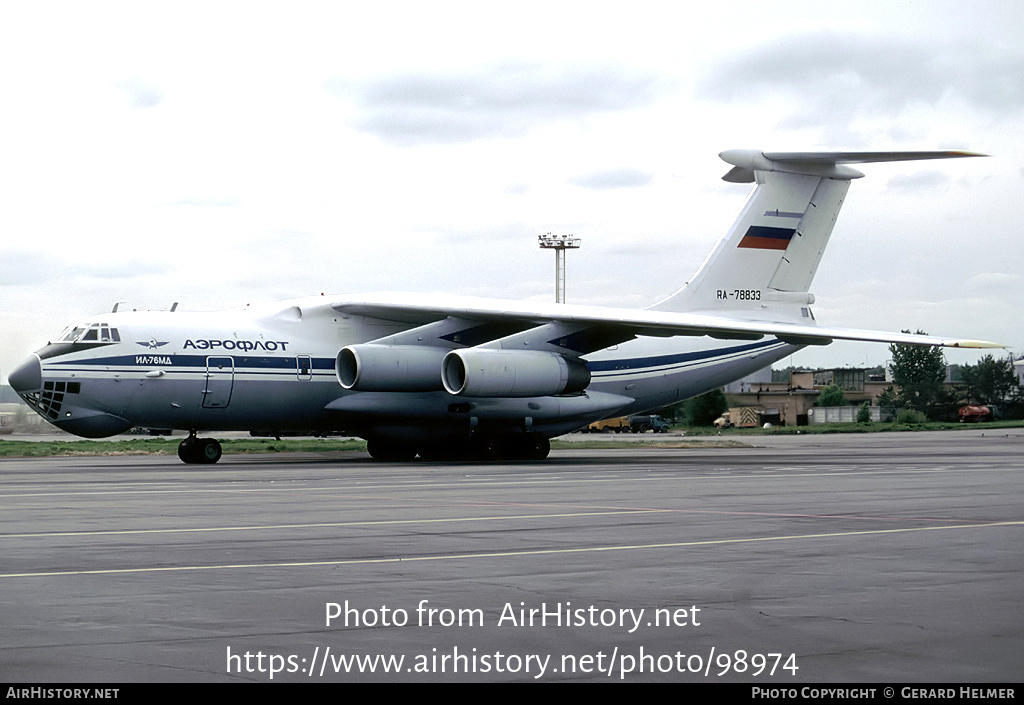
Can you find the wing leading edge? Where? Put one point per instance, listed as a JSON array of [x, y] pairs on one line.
[[612, 325]]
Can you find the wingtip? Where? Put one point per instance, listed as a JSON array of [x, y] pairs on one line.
[[963, 153], [974, 344]]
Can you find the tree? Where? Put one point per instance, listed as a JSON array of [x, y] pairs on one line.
[[703, 410], [918, 373], [888, 399], [784, 375], [864, 413], [831, 395], [991, 381]]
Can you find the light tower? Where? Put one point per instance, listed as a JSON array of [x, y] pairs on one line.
[[559, 243]]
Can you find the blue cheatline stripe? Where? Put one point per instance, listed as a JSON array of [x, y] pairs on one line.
[[243, 363], [639, 363]]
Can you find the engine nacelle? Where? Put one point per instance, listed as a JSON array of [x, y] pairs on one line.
[[390, 368], [480, 372]]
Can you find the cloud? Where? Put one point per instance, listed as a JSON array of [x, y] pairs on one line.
[[37, 268], [139, 94], [613, 178], [992, 284], [18, 268], [131, 268], [490, 235], [506, 100], [835, 76], [204, 202], [920, 180]]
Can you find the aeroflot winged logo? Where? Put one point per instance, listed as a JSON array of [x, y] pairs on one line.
[[152, 343]]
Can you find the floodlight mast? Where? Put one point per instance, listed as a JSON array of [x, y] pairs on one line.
[[559, 243]]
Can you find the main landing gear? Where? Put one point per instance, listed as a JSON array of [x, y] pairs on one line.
[[199, 451]]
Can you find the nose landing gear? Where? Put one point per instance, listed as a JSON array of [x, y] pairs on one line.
[[199, 451]]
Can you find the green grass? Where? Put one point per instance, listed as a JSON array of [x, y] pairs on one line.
[[658, 441], [853, 428], [164, 446]]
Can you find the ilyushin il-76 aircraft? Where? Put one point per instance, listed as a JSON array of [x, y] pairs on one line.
[[447, 377]]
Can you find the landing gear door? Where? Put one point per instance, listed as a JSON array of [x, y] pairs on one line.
[[220, 378]]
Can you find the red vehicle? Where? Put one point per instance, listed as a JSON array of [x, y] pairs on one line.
[[973, 413]]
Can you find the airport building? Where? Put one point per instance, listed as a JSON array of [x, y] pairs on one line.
[[793, 402]]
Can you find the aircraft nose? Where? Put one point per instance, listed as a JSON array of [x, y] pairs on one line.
[[27, 377]]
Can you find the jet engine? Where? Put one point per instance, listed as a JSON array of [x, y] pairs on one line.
[[390, 368], [478, 372]]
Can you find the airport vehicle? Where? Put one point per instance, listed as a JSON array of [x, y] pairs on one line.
[[642, 423], [446, 377], [618, 424], [974, 413], [739, 417]]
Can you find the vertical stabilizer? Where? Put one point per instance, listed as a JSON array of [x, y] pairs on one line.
[[766, 263]]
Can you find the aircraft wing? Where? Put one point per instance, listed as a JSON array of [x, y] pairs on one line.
[[614, 325]]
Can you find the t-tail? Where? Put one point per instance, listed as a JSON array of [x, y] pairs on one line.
[[766, 262]]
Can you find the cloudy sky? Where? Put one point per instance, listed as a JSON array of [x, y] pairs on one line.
[[221, 153]]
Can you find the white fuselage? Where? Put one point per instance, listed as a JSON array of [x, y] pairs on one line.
[[274, 371]]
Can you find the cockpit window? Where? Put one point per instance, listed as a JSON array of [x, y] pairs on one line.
[[71, 335], [97, 332]]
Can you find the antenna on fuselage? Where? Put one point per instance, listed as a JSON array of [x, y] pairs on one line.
[[116, 304], [174, 307]]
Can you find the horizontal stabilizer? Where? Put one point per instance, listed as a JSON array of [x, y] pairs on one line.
[[746, 161]]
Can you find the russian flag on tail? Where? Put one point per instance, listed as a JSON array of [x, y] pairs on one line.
[[764, 237]]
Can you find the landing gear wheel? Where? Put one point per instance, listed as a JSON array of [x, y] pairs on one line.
[[532, 446], [209, 450], [199, 451], [444, 452], [390, 451], [486, 448], [537, 448], [187, 450]]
